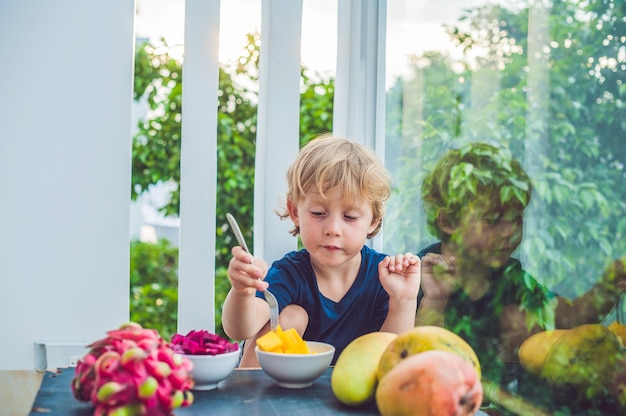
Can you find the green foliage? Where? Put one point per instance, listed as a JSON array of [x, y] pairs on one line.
[[316, 106], [154, 286], [553, 96], [222, 286]]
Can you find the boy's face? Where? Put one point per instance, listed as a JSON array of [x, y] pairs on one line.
[[332, 229], [489, 237]]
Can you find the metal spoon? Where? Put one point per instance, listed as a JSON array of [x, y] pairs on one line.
[[269, 297]]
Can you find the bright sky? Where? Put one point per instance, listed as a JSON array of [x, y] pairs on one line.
[[413, 26], [166, 18]]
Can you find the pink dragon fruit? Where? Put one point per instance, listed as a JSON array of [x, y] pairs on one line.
[[202, 342], [133, 371]]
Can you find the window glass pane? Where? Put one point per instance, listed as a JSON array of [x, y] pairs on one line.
[[542, 82], [319, 62], [319, 36], [235, 26]]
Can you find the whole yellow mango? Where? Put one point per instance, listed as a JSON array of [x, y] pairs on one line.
[[430, 383], [584, 357], [425, 338], [619, 330], [354, 380], [534, 350]]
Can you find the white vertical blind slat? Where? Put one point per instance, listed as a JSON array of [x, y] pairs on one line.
[[277, 140], [196, 276]]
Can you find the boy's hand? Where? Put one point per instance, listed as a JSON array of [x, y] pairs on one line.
[[438, 276], [246, 273], [400, 275]]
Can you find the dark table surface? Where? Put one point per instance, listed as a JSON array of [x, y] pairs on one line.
[[245, 392]]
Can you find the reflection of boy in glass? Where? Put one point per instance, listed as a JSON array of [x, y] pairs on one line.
[[474, 200]]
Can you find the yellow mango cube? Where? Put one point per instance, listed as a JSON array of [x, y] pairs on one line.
[[278, 330], [298, 348], [280, 341], [270, 342], [293, 342], [289, 337]]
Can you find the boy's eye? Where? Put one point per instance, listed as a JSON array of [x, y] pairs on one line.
[[350, 217], [318, 214], [512, 217], [491, 220]]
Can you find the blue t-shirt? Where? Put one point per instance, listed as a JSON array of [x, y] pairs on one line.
[[362, 310]]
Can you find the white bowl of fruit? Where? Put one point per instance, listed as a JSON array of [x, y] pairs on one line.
[[291, 361], [214, 358]]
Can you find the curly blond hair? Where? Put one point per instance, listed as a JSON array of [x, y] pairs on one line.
[[329, 161], [472, 174]]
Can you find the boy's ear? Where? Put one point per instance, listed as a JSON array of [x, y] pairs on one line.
[[445, 224], [293, 212], [373, 226]]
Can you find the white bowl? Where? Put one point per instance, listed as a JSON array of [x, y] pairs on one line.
[[296, 371], [209, 370]]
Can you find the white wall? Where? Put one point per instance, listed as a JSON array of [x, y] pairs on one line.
[[66, 90]]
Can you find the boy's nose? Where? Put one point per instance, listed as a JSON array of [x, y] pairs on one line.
[[506, 227], [332, 226], [509, 228]]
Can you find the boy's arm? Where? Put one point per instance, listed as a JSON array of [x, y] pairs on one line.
[[400, 315], [438, 282], [431, 311], [400, 277], [244, 314], [596, 303]]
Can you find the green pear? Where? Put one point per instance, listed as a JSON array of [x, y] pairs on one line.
[[354, 377]]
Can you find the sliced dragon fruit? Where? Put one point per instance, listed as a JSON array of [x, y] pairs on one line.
[[202, 342]]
